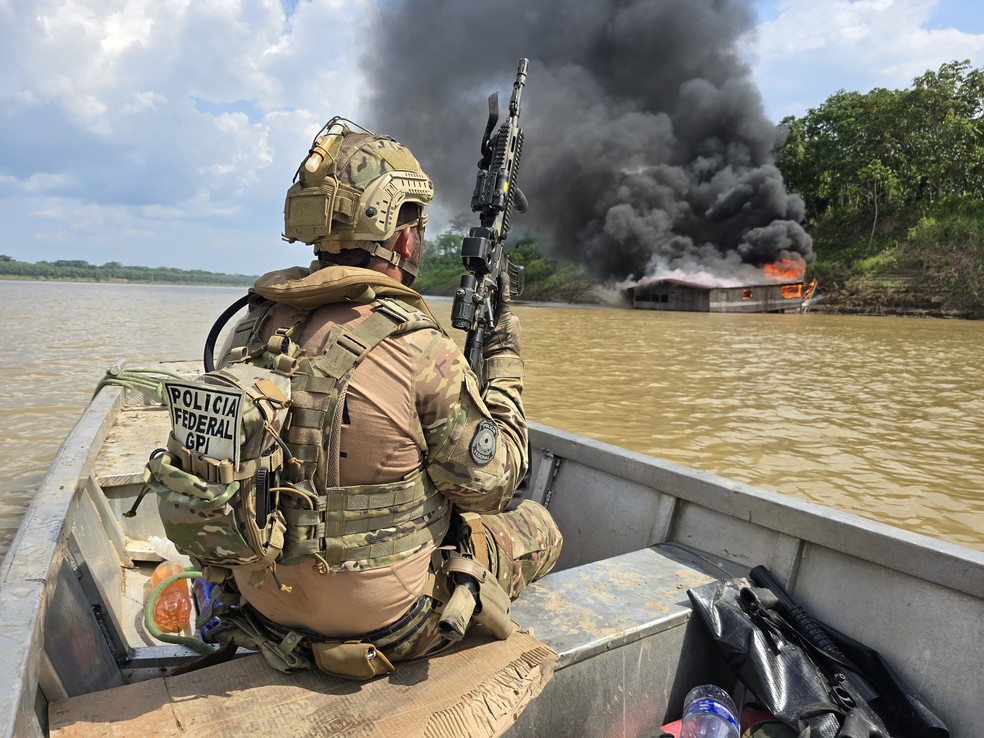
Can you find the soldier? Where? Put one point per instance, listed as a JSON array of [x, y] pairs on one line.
[[408, 461]]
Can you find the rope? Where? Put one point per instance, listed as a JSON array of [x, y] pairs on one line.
[[135, 379], [192, 643]]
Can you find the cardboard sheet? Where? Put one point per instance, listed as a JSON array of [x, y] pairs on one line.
[[478, 689]]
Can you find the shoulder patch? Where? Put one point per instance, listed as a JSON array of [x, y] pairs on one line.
[[484, 442]]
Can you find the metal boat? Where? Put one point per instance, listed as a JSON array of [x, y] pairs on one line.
[[639, 532]]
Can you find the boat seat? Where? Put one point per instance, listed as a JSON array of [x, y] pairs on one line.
[[475, 689], [628, 649]]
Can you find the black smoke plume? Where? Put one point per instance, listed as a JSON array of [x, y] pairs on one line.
[[647, 149]]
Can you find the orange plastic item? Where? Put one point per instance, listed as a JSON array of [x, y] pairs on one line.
[[172, 613]]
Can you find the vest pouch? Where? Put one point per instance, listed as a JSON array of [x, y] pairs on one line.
[[494, 603], [303, 520], [353, 660], [203, 521]]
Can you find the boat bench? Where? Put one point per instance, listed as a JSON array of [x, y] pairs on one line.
[[628, 648]]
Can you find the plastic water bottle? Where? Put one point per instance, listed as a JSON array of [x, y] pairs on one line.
[[172, 612], [709, 712]]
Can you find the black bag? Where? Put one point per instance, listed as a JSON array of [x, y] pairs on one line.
[[801, 684]]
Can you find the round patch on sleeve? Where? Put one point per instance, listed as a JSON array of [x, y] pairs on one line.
[[484, 442]]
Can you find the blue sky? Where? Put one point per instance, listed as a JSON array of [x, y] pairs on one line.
[[166, 133]]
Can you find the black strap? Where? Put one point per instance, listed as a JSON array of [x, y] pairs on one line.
[[208, 359], [421, 608]]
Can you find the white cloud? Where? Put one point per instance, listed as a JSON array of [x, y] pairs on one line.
[[128, 27], [178, 120], [831, 24], [38, 183], [813, 48], [168, 131], [141, 101]]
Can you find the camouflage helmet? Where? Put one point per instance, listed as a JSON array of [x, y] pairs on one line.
[[348, 191]]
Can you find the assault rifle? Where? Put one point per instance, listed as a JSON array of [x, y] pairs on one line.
[[477, 300]]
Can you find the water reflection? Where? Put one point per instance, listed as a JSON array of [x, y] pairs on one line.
[[878, 416], [60, 337]]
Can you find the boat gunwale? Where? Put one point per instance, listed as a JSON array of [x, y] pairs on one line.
[[951, 565], [29, 571]]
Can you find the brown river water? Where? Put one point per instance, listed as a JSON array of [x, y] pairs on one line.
[[881, 417]]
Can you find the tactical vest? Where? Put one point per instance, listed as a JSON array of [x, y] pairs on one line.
[[343, 527]]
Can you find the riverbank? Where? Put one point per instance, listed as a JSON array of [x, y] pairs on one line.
[[78, 270], [930, 269], [911, 264], [887, 303], [159, 282], [872, 301], [895, 297], [878, 309]]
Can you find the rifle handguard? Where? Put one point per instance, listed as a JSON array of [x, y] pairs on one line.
[[481, 296]]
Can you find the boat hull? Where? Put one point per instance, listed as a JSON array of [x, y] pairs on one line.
[[639, 532]]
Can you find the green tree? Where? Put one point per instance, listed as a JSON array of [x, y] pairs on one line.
[[944, 118], [878, 183], [915, 146]]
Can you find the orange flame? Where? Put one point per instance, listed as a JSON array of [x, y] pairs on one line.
[[785, 269]]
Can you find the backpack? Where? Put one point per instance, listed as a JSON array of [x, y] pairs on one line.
[[223, 456]]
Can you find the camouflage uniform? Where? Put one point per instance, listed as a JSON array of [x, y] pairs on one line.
[[413, 403], [387, 432]]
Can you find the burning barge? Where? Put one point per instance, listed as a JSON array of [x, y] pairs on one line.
[[778, 288]]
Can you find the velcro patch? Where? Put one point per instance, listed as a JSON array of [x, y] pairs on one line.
[[205, 419], [484, 442]]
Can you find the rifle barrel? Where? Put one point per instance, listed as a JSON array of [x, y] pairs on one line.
[[524, 64]]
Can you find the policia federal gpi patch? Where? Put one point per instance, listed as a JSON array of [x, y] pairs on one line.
[[484, 442]]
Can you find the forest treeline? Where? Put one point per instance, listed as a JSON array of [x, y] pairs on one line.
[[893, 182], [547, 280], [78, 270]]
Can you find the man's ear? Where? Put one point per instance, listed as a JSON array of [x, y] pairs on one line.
[[403, 245]]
